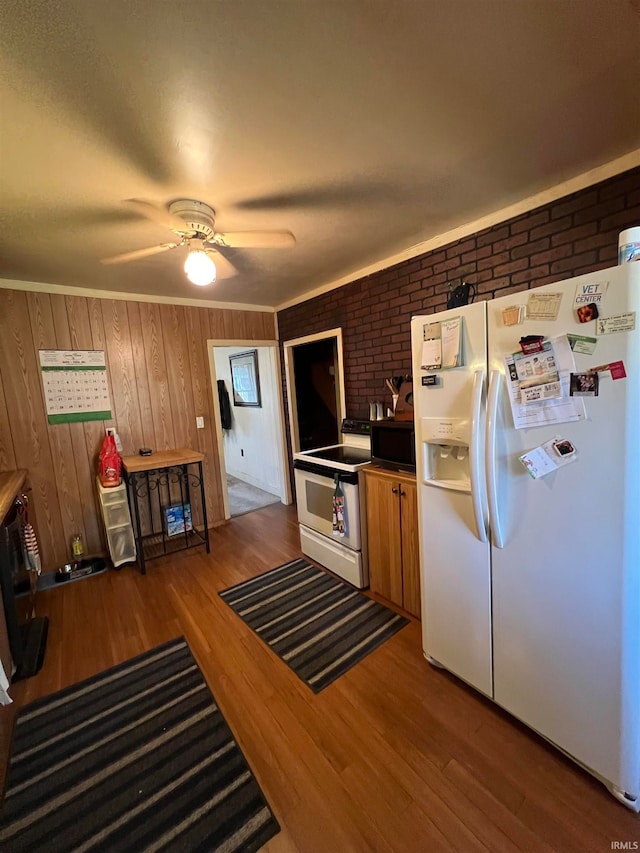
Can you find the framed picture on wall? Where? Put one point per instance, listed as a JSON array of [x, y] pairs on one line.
[[245, 378]]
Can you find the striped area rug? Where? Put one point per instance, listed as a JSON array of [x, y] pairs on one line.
[[138, 758], [317, 624]]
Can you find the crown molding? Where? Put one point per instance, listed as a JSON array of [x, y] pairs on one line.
[[67, 290]]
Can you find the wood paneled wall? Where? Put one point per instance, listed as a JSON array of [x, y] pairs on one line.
[[159, 382]]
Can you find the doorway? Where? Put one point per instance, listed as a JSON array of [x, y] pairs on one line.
[[251, 440], [315, 389]]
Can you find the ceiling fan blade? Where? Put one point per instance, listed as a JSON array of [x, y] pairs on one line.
[[139, 253], [224, 268], [156, 214], [254, 239]]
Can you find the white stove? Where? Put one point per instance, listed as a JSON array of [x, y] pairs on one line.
[[315, 474]]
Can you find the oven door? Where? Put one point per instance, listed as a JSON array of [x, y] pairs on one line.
[[315, 504]]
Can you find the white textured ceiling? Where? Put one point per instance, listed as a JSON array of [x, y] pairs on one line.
[[363, 126]]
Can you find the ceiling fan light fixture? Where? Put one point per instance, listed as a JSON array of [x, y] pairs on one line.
[[200, 268]]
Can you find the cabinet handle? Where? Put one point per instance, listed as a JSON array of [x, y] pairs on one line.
[[394, 490], [403, 494]]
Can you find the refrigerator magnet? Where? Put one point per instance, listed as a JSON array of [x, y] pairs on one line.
[[590, 294], [615, 368], [531, 343], [582, 344], [618, 323], [548, 457], [583, 385], [513, 315], [543, 306], [587, 313]]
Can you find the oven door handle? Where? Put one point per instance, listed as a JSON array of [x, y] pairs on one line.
[[326, 472]]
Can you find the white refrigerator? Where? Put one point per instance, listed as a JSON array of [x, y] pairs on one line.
[[531, 587]]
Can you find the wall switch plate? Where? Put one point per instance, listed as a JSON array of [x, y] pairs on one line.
[[200, 423]]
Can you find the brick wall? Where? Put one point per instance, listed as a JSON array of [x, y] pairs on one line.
[[574, 235]]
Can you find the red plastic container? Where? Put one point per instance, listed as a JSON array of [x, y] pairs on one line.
[[110, 463]]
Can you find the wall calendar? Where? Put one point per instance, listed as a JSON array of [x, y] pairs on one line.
[[75, 385]]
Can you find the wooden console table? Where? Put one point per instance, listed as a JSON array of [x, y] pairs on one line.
[[158, 486]]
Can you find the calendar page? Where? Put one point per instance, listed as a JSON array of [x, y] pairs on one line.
[[75, 385]]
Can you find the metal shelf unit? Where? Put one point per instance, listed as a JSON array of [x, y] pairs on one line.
[[157, 485]]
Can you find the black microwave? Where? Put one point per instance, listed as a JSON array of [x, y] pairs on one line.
[[393, 444]]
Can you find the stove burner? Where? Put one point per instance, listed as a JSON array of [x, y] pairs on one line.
[[341, 453]]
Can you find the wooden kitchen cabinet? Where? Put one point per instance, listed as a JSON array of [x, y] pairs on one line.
[[392, 530]]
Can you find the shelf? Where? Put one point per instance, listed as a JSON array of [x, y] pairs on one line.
[[153, 544], [154, 485], [122, 524]]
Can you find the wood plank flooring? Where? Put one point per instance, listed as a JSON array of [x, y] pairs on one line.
[[393, 756]]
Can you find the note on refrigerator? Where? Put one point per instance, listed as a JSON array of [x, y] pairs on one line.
[[432, 346], [546, 405], [543, 306], [451, 354], [548, 457]]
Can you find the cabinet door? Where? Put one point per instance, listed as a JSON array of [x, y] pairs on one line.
[[410, 550], [383, 528]]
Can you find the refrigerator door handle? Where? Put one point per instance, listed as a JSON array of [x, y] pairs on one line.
[[490, 458], [475, 456]]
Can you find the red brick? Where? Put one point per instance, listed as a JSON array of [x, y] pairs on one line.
[[529, 221], [514, 288], [530, 274], [432, 258], [609, 253], [510, 242], [451, 264], [569, 264], [491, 235], [490, 263], [530, 249], [578, 201], [485, 275], [513, 266], [573, 234], [625, 219], [459, 248], [476, 254], [633, 199], [596, 213], [552, 255], [620, 185], [492, 284], [551, 228], [594, 242]]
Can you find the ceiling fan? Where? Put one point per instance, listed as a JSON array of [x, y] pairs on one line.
[[193, 222]]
